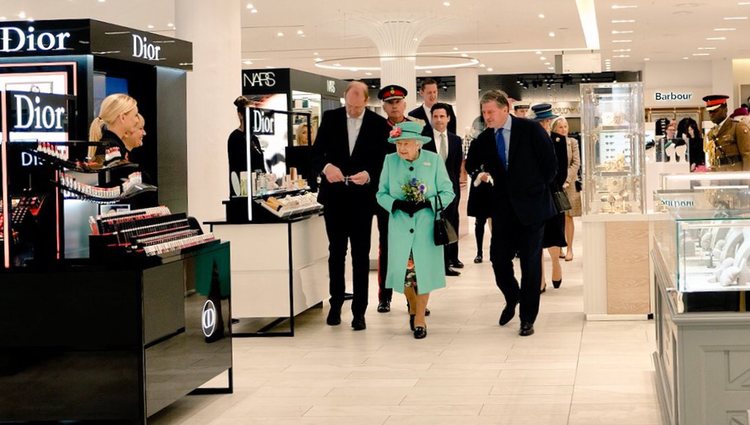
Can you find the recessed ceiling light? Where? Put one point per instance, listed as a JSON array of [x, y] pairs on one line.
[[464, 55], [547, 63], [622, 32], [315, 53], [623, 6], [279, 34], [481, 65], [102, 1], [551, 68], [646, 59], [707, 48], [743, 3], [725, 29], [455, 48], [622, 41], [336, 64], [551, 34], [542, 58], [685, 58], [368, 73], [623, 21], [621, 56], [247, 62], [3, 18], [715, 38], [269, 67], [170, 25], [621, 50], [541, 16], [735, 18], [415, 39], [701, 54], [428, 72], [300, 32], [30, 19], [250, 6], [446, 3], [254, 11], [150, 26], [22, 14], [318, 60], [538, 52], [490, 69]]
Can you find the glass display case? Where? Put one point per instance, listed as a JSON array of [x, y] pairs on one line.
[[703, 191], [613, 134]]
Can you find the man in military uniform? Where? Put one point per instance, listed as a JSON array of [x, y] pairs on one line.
[[728, 143]]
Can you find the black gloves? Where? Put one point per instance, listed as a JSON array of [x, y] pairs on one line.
[[409, 207]]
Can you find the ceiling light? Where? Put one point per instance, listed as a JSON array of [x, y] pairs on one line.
[[300, 32], [315, 53], [542, 58], [715, 38], [464, 55], [336, 64], [269, 67], [621, 50], [170, 25], [623, 21], [150, 26], [318, 60], [735, 18], [587, 16], [481, 65], [428, 72], [250, 6], [490, 69], [368, 73], [3, 18], [646, 59], [247, 62], [538, 52], [22, 14], [551, 34], [102, 1], [279, 34], [701, 54], [622, 32], [254, 11], [707, 48], [622, 41], [415, 39], [551, 68], [685, 58], [541, 16], [619, 6], [455, 48], [446, 3], [622, 56], [725, 29], [547, 63], [743, 3]]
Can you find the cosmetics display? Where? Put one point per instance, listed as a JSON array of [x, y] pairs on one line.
[[613, 148], [291, 204], [130, 186]]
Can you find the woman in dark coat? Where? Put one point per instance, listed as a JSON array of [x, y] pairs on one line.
[[480, 194], [237, 150], [688, 129]]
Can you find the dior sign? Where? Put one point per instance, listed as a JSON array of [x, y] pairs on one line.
[[144, 50], [13, 39], [31, 114]]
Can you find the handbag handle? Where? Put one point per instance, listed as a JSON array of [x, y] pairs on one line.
[[440, 205]]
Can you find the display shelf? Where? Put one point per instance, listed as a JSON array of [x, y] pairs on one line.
[[289, 212], [80, 167], [132, 191]]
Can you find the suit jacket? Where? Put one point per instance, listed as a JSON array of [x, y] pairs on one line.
[[419, 113], [728, 147], [524, 188], [454, 159], [332, 146]]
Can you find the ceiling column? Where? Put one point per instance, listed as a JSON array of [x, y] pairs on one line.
[[214, 28], [467, 99]]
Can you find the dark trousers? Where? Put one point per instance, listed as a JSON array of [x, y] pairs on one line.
[[384, 294], [345, 224], [451, 214], [508, 237], [479, 224]]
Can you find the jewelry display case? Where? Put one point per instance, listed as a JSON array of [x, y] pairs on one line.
[[703, 191], [613, 146]]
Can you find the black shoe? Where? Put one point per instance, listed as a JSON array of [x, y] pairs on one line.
[[384, 307], [450, 272], [348, 296], [478, 259], [358, 323], [411, 321], [526, 329], [457, 264], [557, 283], [507, 315], [334, 317], [420, 332], [426, 311]]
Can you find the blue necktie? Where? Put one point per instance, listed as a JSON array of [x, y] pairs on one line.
[[500, 142]]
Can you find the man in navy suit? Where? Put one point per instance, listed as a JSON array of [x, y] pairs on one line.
[[517, 157], [428, 89], [349, 151], [448, 146]]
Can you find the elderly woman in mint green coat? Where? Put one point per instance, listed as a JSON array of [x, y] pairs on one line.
[[411, 181]]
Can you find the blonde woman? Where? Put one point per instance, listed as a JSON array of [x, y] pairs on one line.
[[118, 117], [560, 126], [302, 136], [134, 139]]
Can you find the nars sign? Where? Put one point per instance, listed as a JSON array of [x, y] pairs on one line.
[[31, 115], [672, 96], [145, 50], [13, 39], [262, 79]]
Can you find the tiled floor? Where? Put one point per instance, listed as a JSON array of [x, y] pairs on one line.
[[467, 371]]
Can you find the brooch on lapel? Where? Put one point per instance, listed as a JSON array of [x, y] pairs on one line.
[[427, 164]]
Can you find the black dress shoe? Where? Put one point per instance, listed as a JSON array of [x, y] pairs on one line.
[[478, 259], [457, 264], [508, 313], [526, 329], [557, 283], [411, 321], [334, 318], [426, 311], [450, 272], [358, 323], [384, 307], [420, 332], [348, 296]]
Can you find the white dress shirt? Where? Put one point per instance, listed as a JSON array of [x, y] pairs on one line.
[[438, 143], [353, 124], [427, 112]]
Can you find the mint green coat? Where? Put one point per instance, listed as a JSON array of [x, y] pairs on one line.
[[414, 234]]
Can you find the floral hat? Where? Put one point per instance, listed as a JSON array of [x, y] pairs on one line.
[[408, 130]]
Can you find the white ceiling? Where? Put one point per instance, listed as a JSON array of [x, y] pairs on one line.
[[664, 30]]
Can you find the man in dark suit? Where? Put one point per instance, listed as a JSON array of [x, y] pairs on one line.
[[428, 89], [516, 155], [349, 151], [448, 146]]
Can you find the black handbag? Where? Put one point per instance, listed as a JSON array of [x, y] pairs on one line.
[[562, 203], [445, 234]]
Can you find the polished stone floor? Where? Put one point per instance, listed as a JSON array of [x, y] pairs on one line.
[[467, 371]]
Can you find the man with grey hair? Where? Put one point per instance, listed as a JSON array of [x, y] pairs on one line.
[[348, 153], [516, 157]]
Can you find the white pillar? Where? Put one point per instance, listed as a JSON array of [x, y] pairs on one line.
[[400, 71], [467, 98], [212, 86], [723, 81]]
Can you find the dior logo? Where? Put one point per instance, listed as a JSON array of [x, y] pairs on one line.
[[263, 124], [30, 114], [267, 79], [208, 318], [143, 49], [14, 39]]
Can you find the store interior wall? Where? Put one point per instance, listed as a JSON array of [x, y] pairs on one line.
[[741, 71]]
